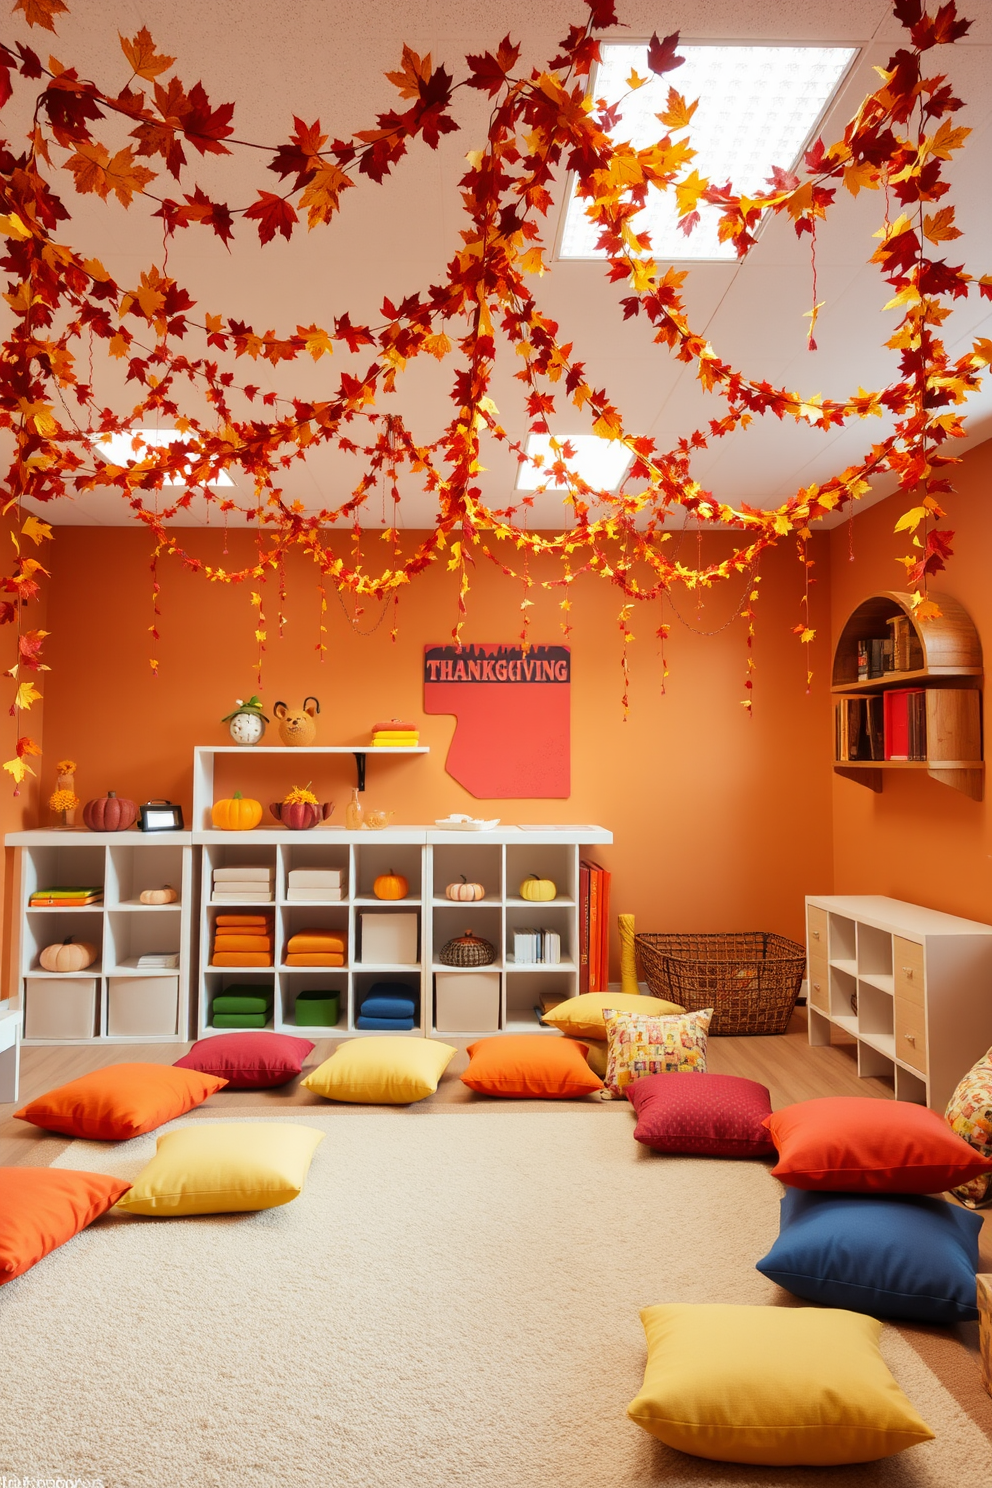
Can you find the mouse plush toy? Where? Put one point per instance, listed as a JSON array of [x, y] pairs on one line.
[[298, 727]]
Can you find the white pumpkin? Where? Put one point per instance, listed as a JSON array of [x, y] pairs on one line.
[[465, 891], [165, 895]]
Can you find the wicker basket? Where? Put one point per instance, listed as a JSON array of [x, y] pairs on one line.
[[750, 979], [467, 950]]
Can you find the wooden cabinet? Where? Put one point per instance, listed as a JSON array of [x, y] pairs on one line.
[[912, 986]]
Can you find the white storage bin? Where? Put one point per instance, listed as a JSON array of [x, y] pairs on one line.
[[389, 939], [143, 1006], [57, 1008], [466, 1001]]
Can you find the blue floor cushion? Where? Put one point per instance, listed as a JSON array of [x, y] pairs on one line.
[[389, 1025]]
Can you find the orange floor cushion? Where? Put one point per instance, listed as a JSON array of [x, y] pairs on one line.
[[42, 1208], [530, 1066], [120, 1101]]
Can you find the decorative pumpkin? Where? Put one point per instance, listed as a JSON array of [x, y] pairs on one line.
[[165, 895], [110, 813], [239, 814], [298, 728], [68, 955], [298, 815], [465, 890], [390, 886], [540, 890], [467, 950]]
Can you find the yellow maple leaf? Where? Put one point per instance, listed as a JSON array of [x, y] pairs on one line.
[[643, 274], [142, 56], [532, 261], [13, 227], [18, 767], [438, 346], [36, 529], [316, 341], [40, 13], [688, 192], [26, 694], [678, 113]]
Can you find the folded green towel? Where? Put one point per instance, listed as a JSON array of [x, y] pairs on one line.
[[258, 1003], [239, 1020]]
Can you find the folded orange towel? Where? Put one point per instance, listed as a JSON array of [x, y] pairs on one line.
[[322, 958], [243, 921], [317, 940], [262, 944], [240, 958]]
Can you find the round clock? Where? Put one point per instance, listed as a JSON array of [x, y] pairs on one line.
[[247, 722]]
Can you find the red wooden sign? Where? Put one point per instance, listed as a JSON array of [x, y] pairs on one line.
[[512, 708]]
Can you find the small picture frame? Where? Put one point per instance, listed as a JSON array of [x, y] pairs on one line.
[[160, 816]]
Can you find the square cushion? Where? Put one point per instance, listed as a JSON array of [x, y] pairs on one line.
[[778, 1386], [582, 1016], [969, 1113], [530, 1066], [642, 1046], [388, 1007], [597, 1054], [860, 1145], [385, 1025], [121, 1101], [224, 1168], [249, 1061], [381, 1071], [42, 1208], [891, 1255], [716, 1115]]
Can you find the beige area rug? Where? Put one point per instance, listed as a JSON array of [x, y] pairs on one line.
[[453, 1301]]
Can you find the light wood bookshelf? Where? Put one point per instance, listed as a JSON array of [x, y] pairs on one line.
[[950, 653]]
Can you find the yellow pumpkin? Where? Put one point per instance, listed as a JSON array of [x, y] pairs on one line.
[[537, 889], [68, 955], [165, 895], [390, 886], [465, 890], [239, 814]]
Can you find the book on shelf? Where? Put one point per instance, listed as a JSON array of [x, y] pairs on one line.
[[583, 927], [536, 948], [316, 878], [862, 661], [158, 961], [880, 656], [859, 728], [598, 919], [244, 873], [905, 724], [65, 898]]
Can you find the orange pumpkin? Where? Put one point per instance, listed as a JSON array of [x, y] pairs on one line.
[[390, 886], [68, 955], [239, 814], [165, 895]]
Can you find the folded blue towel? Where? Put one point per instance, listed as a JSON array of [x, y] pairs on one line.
[[388, 1007], [389, 1025]]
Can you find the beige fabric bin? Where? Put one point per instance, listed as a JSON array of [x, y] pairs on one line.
[[389, 939], [59, 1007], [143, 1006], [466, 1001]]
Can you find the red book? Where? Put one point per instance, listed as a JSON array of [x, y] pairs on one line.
[[594, 937], [583, 927], [604, 922], [896, 722]]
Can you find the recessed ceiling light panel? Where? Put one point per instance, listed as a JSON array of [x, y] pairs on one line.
[[757, 109], [119, 449], [601, 462]]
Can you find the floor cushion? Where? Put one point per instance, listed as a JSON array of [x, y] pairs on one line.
[[121, 1101], [385, 1025], [388, 1071], [860, 1145], [530, 1066], [42, 1208], [890, 1255], [216, 1167], [387, 1006], [249, 1061], [969, 1114], [642, 1046], [597, 1055], [777, 1386], [714, 1115], [582, 1016]]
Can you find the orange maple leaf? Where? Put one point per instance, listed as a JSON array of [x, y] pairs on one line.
[[939, 226], [142, 55], [677, 113], [40, 12], [414, 71]]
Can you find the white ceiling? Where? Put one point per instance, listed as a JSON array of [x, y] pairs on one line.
[[326, 58]]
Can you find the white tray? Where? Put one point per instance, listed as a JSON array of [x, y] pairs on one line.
[[476, 824]]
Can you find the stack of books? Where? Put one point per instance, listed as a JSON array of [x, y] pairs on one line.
[[547, 1002], [542, 947], [65, 898], [316, 885], [859, 728], [594, 927], [158, 961], [395, 734], [906, 724], [245, 884]]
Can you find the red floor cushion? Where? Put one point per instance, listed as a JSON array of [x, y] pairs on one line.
[[715, 1115], [120, 1101], [42, 1208], [249, 1061], [530, 1066]]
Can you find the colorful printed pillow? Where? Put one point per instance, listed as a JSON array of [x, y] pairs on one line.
[[530, 1066], [120, 1101], [969, 1114], [42, 1208], [653, 1046], [249, 1061], [856, 1144], [891, 1255], [716, 1115]]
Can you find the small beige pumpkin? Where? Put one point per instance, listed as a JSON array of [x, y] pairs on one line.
[[465, 890], [165, 895], [68, 955]]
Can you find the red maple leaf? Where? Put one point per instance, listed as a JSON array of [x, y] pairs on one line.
[[297, 155], [661, 54], [205, 127], [602, 13], [273, 215], [490, 72]]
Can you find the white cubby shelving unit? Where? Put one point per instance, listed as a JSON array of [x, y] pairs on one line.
[[912, 986], [112, 1000]]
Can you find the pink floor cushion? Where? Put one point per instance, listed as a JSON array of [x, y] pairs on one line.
[[714, 1115], [249, 1061]]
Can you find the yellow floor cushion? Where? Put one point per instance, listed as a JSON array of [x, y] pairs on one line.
[[597, 1055], [224, 1168], [582, 1017], [779, 1386], [382, 1070]]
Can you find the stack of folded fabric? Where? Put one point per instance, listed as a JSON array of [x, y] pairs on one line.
[[316, 948], [316, 885], [243, 940], [245, 884], [246, 1006], [393, 733], [391, 1006]]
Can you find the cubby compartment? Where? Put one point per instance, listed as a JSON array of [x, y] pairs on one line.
[[240, 854], [843, 942], [61, 1008], [910, 1087], [482, 864], [875, 957], [844, 999], [45, 927], [363, 983], [314, 856], [64, 867], [874, 1064], [315, 989], [521, 915], [230, 979], [875, 1018], [372, 860], [522, 998], [466, 1002], [453, 920], [554, 860], [131, 936], [383, 945], [296, 918], [131, 870]]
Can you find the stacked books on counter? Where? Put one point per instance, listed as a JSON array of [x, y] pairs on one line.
[[65, 898], [243, 940], [536, 947], [594, 927], [245, 884], [316, 885]]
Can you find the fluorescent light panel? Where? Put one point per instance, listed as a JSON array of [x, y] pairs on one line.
[[601, 462], [119, 450], [757, 107]]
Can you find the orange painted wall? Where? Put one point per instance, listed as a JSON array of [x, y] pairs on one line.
[[720, 822], [918, 840]]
